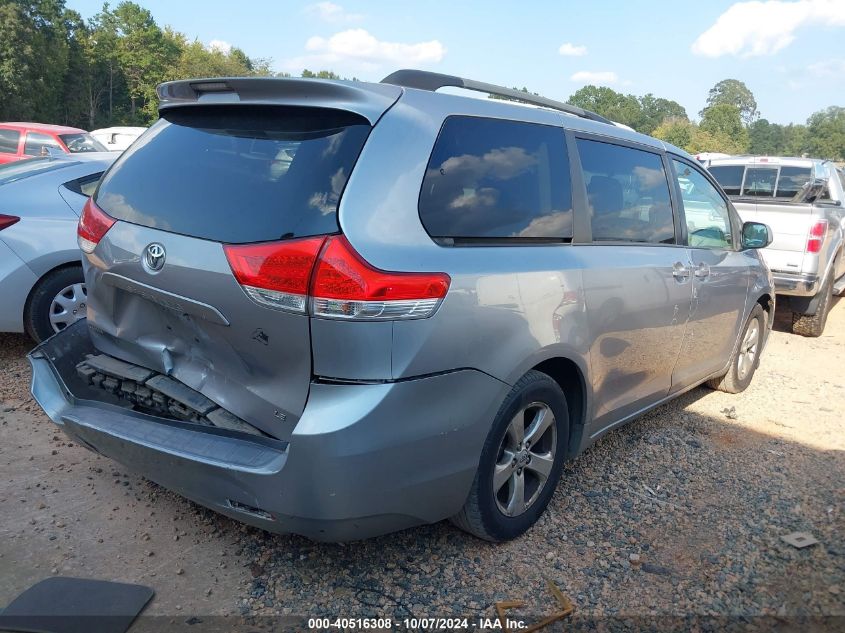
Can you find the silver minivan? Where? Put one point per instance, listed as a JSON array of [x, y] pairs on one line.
[[435, 303]]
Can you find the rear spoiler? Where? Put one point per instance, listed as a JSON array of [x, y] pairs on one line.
[[367, 100]]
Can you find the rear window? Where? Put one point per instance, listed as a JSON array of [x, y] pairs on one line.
[[497, 179], [760, 182], [729, 177], [80, 143], [792, 180], [9, 140], [237, 174]]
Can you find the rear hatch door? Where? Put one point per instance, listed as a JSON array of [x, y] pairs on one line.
[[201, 178]]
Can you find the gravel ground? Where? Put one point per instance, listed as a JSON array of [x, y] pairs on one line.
[[678, 513]]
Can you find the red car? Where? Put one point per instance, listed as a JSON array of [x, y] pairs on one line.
[[25, 140]]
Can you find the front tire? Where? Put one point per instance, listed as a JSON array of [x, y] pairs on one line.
[[520, 463], [58, 300], [746, 357]]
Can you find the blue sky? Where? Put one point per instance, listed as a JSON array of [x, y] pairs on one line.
[[789, 52]]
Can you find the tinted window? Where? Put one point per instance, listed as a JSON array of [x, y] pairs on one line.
[[85, 186], [705, 211], [489, 178], [760, 182], [627, 193], [82, 142], [729, 177], [40, 144], [237, 174], [792, 180], [9, 140]]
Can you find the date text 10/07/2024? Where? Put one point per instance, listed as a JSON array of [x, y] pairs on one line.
[[416, 624]]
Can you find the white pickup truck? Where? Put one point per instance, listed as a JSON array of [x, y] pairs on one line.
[[801, 199]]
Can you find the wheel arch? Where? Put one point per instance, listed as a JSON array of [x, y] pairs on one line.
[[571, 378]]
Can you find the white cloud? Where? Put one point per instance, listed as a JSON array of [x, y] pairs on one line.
[[749, 29], [220, 45], [331, 12], [571, 50], [358, 49], [605, 77], [828, 68]]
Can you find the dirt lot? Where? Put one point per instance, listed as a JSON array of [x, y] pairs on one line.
[[697, 494]]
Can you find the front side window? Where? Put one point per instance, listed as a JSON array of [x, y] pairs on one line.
[[627, 193], [729, 177], [760, 182], [706, 212], [9, 140], [38, 144], [497, 179]]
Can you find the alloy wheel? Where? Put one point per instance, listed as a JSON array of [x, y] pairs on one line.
[[525, 460]]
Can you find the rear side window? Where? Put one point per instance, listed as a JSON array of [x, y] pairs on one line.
[[9, 140], [792, 180], [760, 182], [729, 177], [38, 144], [627, 193], [237, 174], [497, 179]]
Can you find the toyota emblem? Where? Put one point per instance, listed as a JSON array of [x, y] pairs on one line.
[[154, 257]]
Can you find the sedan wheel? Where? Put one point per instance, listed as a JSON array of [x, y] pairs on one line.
[[68, 306]]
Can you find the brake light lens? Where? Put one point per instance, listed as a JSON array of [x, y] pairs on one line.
[[276, 274], [816, 237], [326, 275], [345, 286], [94, 223], [7, 220]]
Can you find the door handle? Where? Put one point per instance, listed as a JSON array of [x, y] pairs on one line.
[[702, 271], [679, 271]]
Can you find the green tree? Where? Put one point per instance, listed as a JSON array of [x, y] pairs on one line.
[[145, 54], [320, 74], [734, 92], [655, 110], [677, 131], [607, 102], [826, 133], [195, 60], [723, 123], [766, 138]]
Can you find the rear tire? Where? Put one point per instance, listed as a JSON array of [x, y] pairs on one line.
[[530, 461], [746, 357], [813, 324], [52, 302]]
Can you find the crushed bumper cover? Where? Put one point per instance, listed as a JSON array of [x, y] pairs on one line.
[[363, 460]]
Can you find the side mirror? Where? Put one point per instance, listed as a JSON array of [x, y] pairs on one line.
[[756, 235]]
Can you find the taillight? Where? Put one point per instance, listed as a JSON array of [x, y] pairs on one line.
[[7, 220], [94, 223], [347, 287], [276, 274], [338, 281], [816, 237]]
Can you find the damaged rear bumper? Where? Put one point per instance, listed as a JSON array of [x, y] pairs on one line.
[[363, 460]]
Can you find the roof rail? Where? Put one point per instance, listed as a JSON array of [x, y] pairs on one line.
[[424, 80]]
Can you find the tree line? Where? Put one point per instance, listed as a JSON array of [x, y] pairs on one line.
[[57, 67]]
